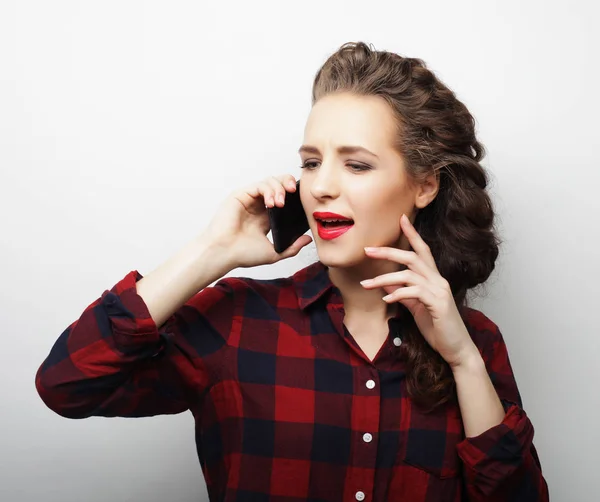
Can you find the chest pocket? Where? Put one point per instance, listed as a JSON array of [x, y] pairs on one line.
[[431, 440]]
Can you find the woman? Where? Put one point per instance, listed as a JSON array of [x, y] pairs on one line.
[[363, 376]]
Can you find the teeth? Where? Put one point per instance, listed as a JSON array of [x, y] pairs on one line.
[[336, 221]]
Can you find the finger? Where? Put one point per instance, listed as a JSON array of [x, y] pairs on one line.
[[268, 192], [417, 242], [420, 293], [288, 181], [288, 184], [266, 189], [394, 279], [296, 246], [248, 195], [279, 190], [409, 258]]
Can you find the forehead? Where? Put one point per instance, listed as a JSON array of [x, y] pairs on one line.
[[346, 119]]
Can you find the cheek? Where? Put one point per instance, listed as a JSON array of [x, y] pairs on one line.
[[380, 208], [381, 219], [307, 203]]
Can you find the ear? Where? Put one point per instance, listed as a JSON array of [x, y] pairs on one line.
[[427, 190]]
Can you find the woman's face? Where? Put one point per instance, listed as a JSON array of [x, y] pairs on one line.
[[373, 190]]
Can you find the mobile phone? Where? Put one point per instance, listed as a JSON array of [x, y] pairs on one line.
[[288, 222]]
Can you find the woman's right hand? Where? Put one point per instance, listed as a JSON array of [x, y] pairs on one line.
[[241, 224]]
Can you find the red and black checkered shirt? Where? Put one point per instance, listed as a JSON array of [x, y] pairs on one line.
[[287, 406]]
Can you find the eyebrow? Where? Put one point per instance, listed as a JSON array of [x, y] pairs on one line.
[[341, 149]]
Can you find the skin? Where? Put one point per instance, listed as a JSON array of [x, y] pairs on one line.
[[397, 266], [381, 194]]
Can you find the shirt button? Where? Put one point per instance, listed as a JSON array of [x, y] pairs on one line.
[[370, 384], [367, 438], [360, 496], [397, 342]]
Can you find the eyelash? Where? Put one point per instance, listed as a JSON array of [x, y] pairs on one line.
[[356, 167]]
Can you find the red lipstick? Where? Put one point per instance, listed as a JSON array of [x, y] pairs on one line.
[[332, 225]]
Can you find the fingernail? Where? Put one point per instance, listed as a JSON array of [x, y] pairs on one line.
[[367, 282], [370, 250]]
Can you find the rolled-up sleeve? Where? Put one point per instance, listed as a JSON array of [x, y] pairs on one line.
[[502, 463], [114, 361]]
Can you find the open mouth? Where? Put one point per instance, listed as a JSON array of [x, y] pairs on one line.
[[334, 223]]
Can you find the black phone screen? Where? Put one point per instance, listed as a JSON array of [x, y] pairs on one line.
[[288, 222]]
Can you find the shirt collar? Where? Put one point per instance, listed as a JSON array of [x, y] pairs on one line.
[[312, 283]]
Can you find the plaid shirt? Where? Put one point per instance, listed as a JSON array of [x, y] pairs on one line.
[[287, 406]]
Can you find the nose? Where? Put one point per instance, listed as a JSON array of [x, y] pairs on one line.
[[324, 183]]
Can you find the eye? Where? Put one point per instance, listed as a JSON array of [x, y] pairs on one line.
[[360, 167], [355, 167]]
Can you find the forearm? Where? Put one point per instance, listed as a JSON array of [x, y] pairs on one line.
[[492, 454], [479, 403], [499, 459], [103, 364], [198, 264]]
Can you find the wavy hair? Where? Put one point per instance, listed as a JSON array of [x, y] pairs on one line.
[[435, 134]]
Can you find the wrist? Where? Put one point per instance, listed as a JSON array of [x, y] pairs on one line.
[[470, 360], [207, 250]]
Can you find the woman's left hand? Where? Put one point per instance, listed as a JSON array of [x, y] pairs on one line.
[[426, 294]]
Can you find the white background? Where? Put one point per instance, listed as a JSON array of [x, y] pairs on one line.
[[124, 123]]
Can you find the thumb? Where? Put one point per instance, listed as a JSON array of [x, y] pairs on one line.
[[294, 249]]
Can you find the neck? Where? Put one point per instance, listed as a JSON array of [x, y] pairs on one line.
[[358, 300]]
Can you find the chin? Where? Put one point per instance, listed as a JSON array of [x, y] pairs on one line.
[[335, 257]]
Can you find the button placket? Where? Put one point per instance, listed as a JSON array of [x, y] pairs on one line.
[[367, 437], [366, 417]]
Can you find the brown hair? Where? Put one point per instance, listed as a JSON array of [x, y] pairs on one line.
[[435, 133]]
